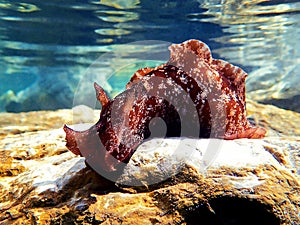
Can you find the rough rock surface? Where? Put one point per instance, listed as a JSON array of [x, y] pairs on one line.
[[242, 182], [282, 91]]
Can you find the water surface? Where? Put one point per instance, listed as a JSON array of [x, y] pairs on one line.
[[47, 47]]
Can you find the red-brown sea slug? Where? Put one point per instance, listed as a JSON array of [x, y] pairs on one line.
[[196, 96]]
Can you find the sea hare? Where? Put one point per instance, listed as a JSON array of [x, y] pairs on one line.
[[194, 94]]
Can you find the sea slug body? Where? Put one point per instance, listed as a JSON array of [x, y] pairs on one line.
[[194, 94]]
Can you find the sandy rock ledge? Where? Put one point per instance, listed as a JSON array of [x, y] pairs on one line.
[[173, 181]]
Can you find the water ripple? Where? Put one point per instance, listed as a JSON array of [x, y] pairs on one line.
[[20, 7], [53, 41]]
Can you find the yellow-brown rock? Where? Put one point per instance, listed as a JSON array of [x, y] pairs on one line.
[[41, 182]]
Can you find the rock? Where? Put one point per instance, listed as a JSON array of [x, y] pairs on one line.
[[206, 155], [17, 123], [84, 114], [282, 91], [278, 122], [167, 181]]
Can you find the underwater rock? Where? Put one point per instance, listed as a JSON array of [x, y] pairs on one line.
[[282, 91], [253, 180], [206, 155]]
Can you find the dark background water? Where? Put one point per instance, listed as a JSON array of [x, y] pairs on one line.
[[46, 47]]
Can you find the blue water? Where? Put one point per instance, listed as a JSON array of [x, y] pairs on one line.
[[47, 47]]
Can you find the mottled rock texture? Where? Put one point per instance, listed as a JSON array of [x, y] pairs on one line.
[[247, 182]]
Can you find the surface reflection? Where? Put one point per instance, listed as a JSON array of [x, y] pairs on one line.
[[117, 16], [53, 44], [19, 7], [120, 4]]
